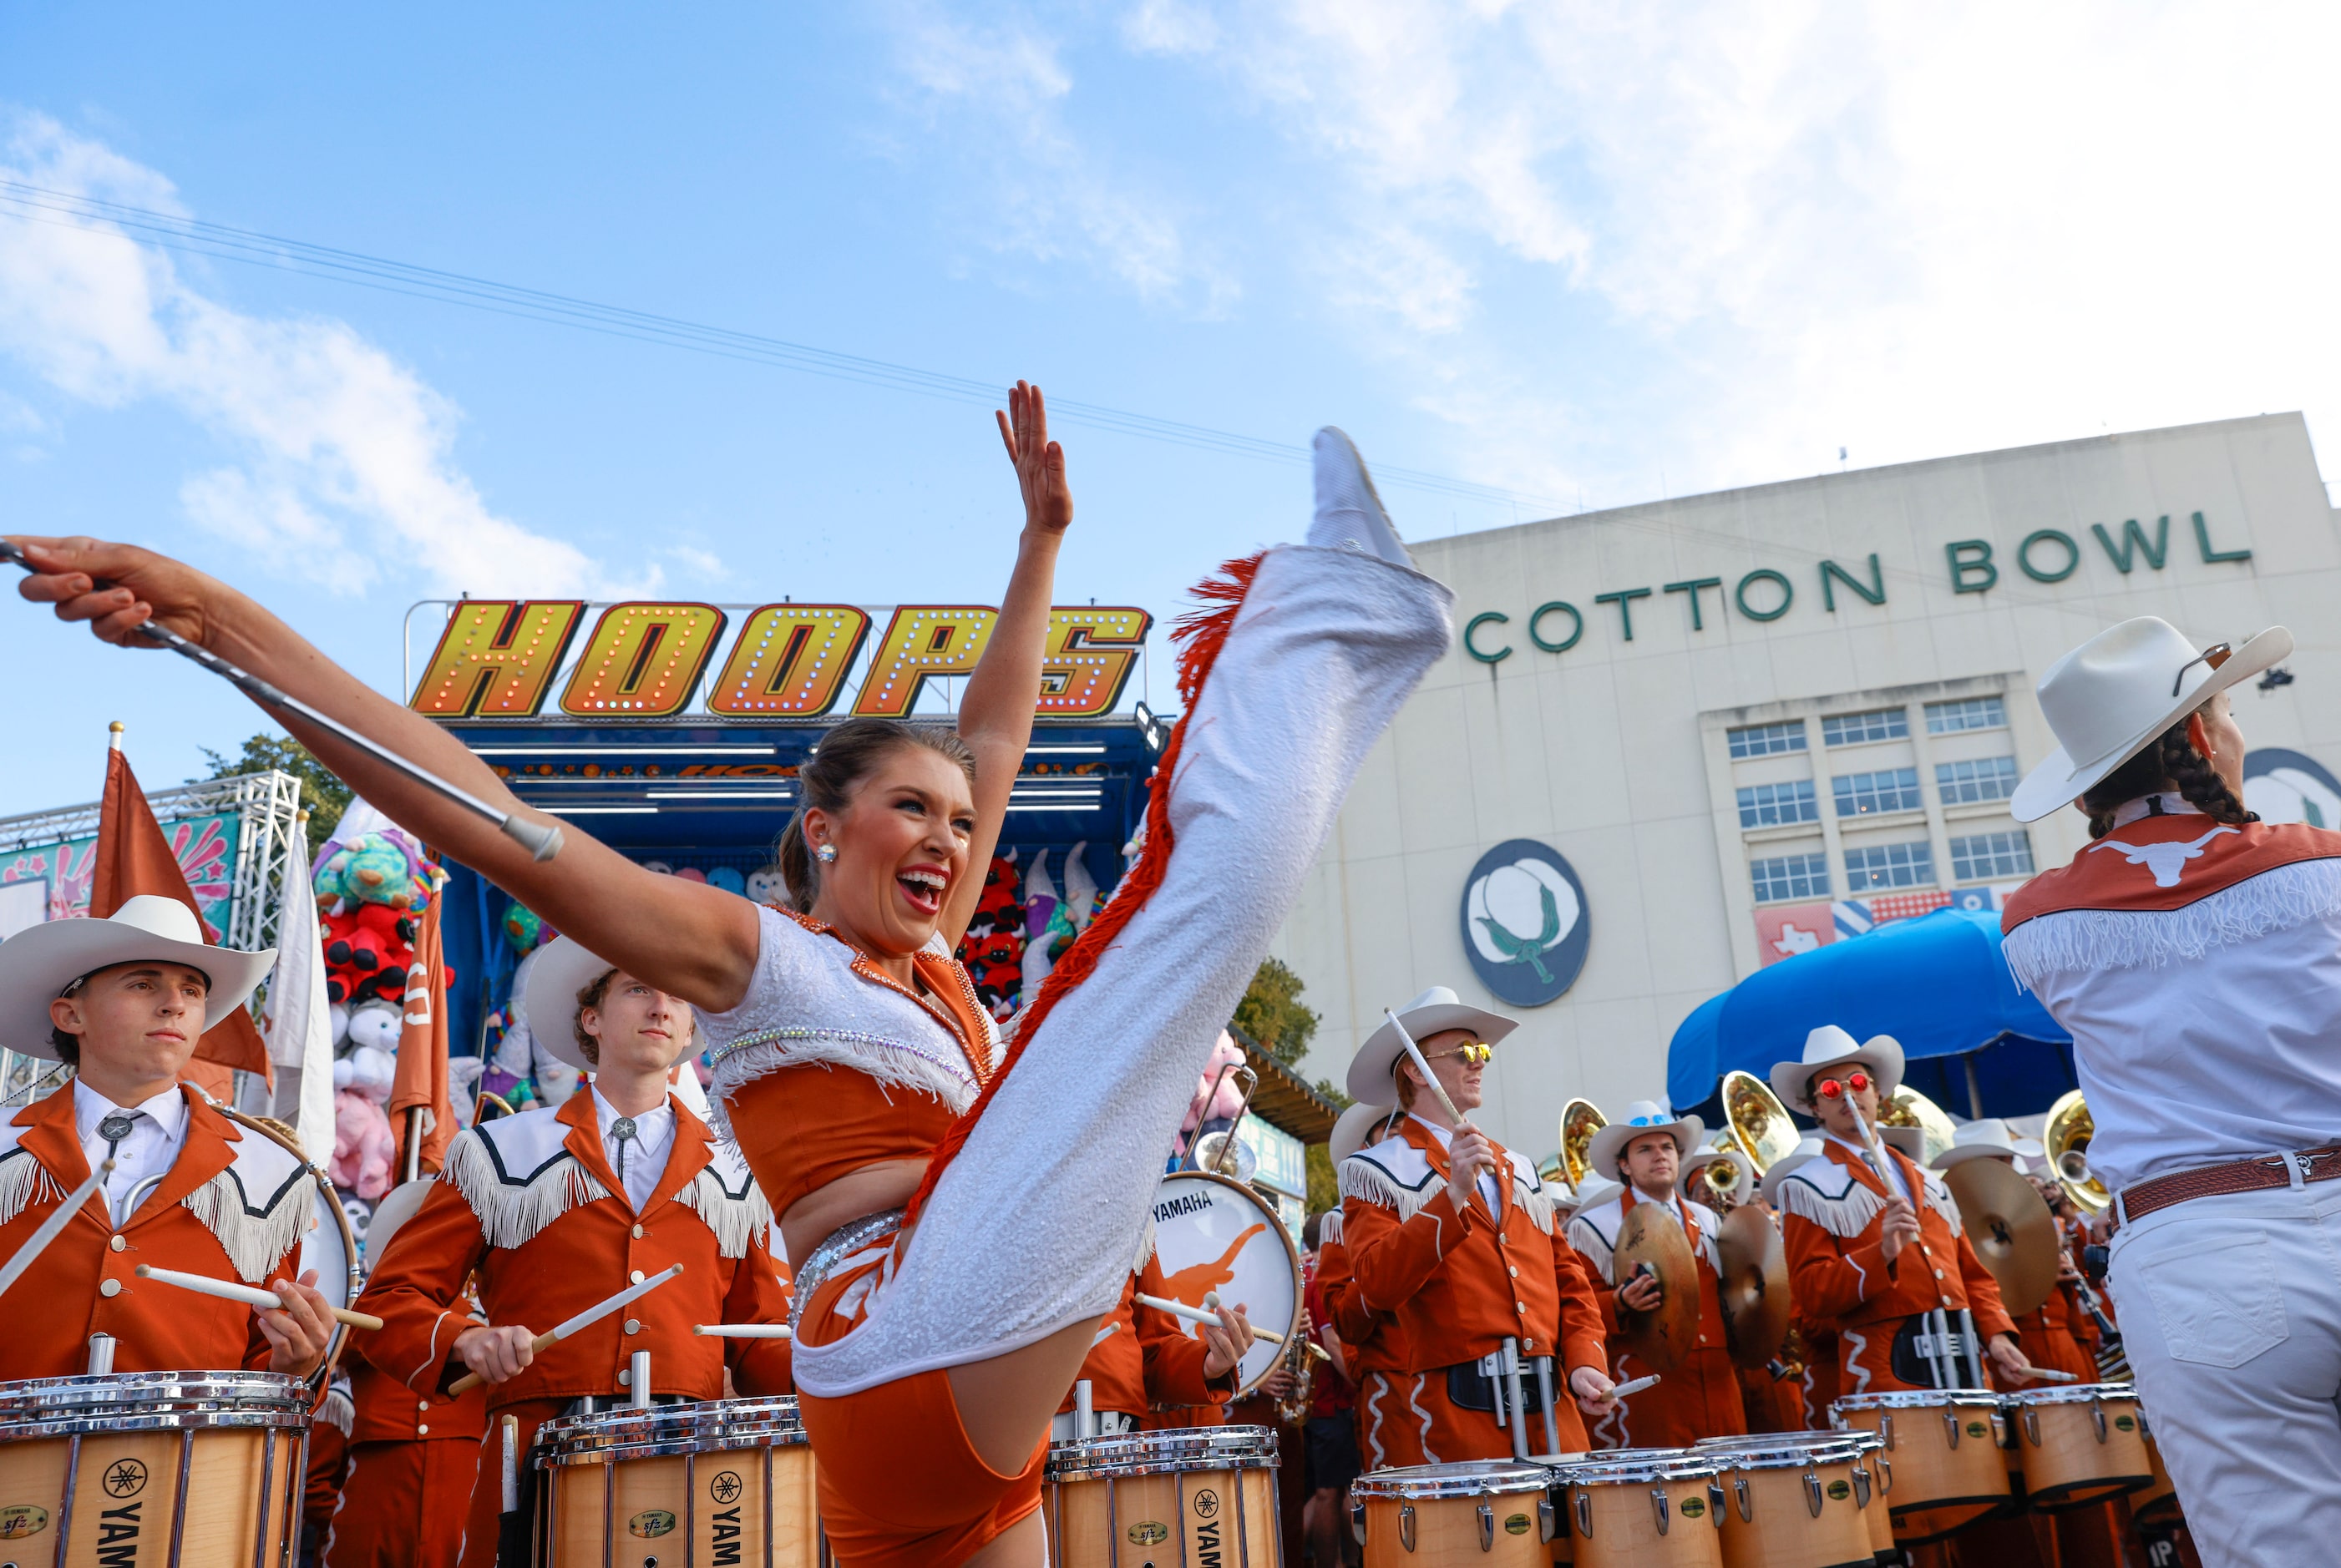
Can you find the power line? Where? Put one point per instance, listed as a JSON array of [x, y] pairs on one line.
[[67, 209]]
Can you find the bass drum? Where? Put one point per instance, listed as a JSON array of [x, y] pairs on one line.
[[329, 1245], [1215, 1235]]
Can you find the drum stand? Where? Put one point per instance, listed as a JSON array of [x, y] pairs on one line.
[[1502, 1370]]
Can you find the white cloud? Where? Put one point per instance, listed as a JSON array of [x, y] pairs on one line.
[[340, 460]]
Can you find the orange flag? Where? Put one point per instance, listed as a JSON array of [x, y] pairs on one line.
[[134, 858], [420, 1080]]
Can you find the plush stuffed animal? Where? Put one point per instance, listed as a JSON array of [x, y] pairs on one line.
[[373, 868], [1226, 1053], [365, 1150], [768, 885]]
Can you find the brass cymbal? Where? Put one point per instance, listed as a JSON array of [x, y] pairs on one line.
[[2010, 1229], [1754, 1286], [1665, 1334]]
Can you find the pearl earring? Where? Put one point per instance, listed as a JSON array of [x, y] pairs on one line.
[[826, 854]]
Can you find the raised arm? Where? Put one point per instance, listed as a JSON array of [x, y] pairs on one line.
[[693, 941], [995, 714]]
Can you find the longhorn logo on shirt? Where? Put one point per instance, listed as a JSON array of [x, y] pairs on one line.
[[2164, 861]]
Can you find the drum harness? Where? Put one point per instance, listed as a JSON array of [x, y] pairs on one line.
[[1501, 1372]]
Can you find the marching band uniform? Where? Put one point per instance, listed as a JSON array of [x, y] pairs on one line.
[[1459, 1284], [1371, 1341], [531, 1204], [1143, 1358], [1291, 683], [1833, 1222], [2198, 963], [1699, 1398]]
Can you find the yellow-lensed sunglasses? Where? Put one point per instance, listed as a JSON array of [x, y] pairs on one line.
[[1475, 1054]]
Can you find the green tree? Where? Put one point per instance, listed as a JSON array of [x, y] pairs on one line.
[[1272, 1013], [322, 794]]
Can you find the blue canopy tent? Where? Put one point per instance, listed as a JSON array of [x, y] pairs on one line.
[[1974, 1044]]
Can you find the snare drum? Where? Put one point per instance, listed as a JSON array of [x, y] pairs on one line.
[[153, 1467], [2157, 1503], [1878, 1515], [724, 1481], [2080, 1444], [1160, 1499], [1795, 1500], [1494, 1512], [1945, 1446], [1642, 1508]]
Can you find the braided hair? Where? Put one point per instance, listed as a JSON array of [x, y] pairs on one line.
[[2171, 762]]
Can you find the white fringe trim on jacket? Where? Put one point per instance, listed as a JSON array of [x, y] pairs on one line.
[[1329, 1229], [254, 1239], [1843, 1217], [339, 1411], [25, 1180], [1595, 1246], [2064, 940], [736, 1218], [1361, 1178], [510, 1213], [892, 1064]]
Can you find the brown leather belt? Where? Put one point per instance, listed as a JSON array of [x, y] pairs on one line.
[[2217, 1181]]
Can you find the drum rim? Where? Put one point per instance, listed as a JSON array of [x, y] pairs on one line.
[[2078, 1393], [1291, 1256], [550, 1458], [93, 1423], [1635, 1473], [1459, 1478], [114, 1390], [1918, 1399], [1793, 1449], [1162, 1452]]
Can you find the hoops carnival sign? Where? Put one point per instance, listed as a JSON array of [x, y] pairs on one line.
[[501, 659]]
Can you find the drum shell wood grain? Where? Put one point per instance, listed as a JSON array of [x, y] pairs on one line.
[[2157, 1501], [1625, 1532], [1938, 1486], [234, 1501], [1447, 1532], [1778, 1528], [1164, 1519], [2066, 1462], [1879, 1517], [706, 1506]]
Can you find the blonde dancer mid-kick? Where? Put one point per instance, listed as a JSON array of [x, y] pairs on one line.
[[850, 1041]]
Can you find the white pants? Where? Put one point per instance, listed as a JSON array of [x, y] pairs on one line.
[[2231, 1316], [1036, 1225]]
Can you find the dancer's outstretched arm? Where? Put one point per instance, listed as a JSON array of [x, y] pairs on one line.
[[686, 938], [995, 714]]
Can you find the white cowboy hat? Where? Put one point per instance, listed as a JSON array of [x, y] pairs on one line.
[[1831, 1047], [1642, 1117], [562, 968], [1598, 1189], [2108, 699], [1989, 1136], [1565, 1198], [39, 962], [1912, 1141], [399, 1205], [1707, 1156], [1808, 1147], [1434, 1012], [1348, 1134]]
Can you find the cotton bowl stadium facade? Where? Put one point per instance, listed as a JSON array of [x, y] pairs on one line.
[[1679, 742]]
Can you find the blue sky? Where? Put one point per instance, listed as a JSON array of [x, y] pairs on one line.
[[1587, 254]]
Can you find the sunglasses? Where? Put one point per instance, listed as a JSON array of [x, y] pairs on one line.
[[1832, 1089], [2215, 656], [1476, 1053]]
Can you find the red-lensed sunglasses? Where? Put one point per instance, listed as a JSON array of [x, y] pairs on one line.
[[1830, 1088]]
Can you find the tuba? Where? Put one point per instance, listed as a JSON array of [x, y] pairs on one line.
[[2066, 1140], [1907, 1107], [1579, 1122], [1761, 1124], [1721, 1185]]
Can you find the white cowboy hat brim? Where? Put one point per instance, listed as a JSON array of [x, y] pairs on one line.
[[2060, 779], [39, 962], [1807, 1149], [1881, 1054], [1959, 1154], [399, 1205], [1370, 1069], [1602, 1153], [562, 967], [1912, 1141], [1348, 1134]]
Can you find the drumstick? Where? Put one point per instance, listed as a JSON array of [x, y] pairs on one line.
[[599, 1310], [1197, 1315], [52, 1227], [228, 1290], [1639, 1383], [542, 840], [2043, 1374], [742, 1330], [1423, 1063]]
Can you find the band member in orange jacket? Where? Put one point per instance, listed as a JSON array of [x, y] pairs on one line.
[[1373, 1346], [1699, 1397], [2046, 1333], [125, 1000], [1877, 1263], [411, 1457], [1456, 1237], [1143, 1359], [556, 1210]]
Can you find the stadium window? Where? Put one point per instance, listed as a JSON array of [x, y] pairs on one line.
[[1779, 805], [1966, 714], [1984, 778], [1868, 794], [1766, 740], [1991, 857], [1791, 876], [1876, 865], [1855, 729]]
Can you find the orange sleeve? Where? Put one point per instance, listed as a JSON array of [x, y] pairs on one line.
[[417, 1290], [1585, 1318], [1174, 1362], [1983, 1294], [1830, 1280], [759, 1294], [1390, 1261]]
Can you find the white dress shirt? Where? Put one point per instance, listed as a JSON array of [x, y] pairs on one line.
[[1886, 1156], [646, 1153], [1488, 1192], [158, 1131]]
